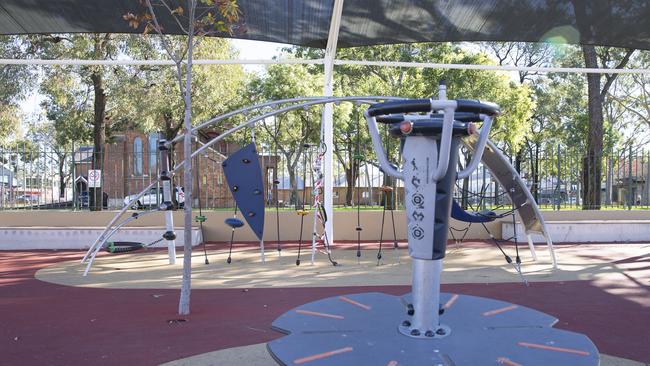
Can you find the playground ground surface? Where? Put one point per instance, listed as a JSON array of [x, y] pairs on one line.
[[124, 312]]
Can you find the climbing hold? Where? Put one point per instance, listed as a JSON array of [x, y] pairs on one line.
[[235, 188], [246, 161], [257, 192]]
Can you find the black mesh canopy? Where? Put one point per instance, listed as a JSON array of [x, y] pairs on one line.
[[621, 23]]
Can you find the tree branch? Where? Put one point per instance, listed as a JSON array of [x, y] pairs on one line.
[[611, 77]]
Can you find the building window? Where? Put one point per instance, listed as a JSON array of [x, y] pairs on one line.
[[153, 153], [137, 156]]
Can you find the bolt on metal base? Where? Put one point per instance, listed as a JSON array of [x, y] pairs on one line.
[[408, 330]]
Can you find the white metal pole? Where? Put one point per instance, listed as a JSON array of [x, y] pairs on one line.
[[281, 61], [551, 250], [531, 246], [328, 118]]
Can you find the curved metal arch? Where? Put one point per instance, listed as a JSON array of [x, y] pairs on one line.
[[322, 100], [242, 111], [109, 232], [114, 220], [519, 195], [99, 242]]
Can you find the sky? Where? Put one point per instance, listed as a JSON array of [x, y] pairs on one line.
[[255, 50]]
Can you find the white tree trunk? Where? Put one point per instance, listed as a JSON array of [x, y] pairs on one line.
[[186, 286]]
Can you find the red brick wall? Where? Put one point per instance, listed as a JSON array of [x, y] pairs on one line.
[[120, 178]]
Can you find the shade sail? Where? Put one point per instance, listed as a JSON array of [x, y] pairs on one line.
[[621, 23]]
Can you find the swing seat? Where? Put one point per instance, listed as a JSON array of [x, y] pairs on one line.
[[234, 222], [117, 247], [302, 212], [483, 216], [200, 218]]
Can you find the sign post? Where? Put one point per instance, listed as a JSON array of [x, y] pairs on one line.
[[94, 178]]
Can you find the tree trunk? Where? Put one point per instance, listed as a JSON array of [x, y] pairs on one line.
[[349, 190], [535, 172], [519, 159], [351, 177], [62, 176], [389, 198], [592, 161], [295, 196], [99, 135], [186, 285], [464, 197]]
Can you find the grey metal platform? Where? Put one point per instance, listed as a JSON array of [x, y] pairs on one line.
[[362, 329]]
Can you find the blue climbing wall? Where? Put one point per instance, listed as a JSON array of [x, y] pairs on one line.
[[244, 176]]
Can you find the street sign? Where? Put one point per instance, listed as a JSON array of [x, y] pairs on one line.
[[94, 178]]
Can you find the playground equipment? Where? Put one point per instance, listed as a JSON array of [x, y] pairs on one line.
[[499, 166], [116, 247], [244, 177], [281, 106], [519, 195], [481, 217], [427, 327], [387, 190], [234, 223]]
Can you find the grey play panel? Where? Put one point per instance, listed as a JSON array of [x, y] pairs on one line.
[[362, 329]]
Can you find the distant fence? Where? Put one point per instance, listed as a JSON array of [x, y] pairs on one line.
[[35, 178]]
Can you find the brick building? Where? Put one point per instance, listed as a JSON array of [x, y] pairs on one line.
[[131, 162]]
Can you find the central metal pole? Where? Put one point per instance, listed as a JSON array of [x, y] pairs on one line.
[[328, 118], [426, 294], [420, 155]]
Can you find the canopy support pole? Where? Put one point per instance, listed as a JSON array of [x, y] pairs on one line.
[[328, 117]]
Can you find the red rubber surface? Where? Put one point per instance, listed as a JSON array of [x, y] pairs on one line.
[[43, 323]]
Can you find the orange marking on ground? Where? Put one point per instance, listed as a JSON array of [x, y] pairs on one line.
[[392, 363], [551, 348], [348, 300], [507, 362], [499, 311], [451, 301], [325, 315], [319, 356]]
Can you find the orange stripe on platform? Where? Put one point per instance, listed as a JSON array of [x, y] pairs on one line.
[[392, 363], [507, 362], [324, 315], [451, 301], [356, 303], [499, 311], [319, 356], [551, 348]]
